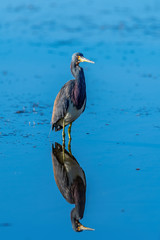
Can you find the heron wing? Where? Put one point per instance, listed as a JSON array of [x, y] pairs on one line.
[[61, 103], [60, 173]]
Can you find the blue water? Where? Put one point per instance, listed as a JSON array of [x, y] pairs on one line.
[[116, 140]]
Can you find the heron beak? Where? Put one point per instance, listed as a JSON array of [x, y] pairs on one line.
[[83, 59], [82, 228]]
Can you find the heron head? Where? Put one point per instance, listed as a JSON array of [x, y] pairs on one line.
[[78, 58], [78, 227]]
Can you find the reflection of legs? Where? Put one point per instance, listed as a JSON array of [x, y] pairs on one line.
[[63, 149], [69, 146], [63, 133]]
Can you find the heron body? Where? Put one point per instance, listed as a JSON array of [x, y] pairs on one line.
[[71, 181], [66, 172], [71, 99]]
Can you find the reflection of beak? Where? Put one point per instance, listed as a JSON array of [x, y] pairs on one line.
[[83, 59], [81, 228]]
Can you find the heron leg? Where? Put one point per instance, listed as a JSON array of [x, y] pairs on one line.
[[69, 146], [63, 150], [63, 133], [69, 132], [69, 135]]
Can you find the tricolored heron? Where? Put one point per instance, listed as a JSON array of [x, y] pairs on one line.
[[71, 181], [71, 99]]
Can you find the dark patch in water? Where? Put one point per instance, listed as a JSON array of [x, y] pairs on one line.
[[5, 224], [4, 73], [22, 8], [157, 127], [21, 111], [8, 134], [60, 43]]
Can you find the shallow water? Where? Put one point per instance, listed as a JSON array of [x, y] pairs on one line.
[[116, 140]]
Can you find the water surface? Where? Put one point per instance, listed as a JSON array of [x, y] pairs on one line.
[[116, 140]]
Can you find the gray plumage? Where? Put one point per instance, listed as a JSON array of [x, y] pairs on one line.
[[71, 99], [71, 181], [63, 175]]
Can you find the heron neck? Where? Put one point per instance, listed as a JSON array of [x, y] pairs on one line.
[[77, 212], [77, 72], [79, 195], [75, 216], [79, 92]]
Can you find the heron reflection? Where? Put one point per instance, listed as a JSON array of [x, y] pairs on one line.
[[71, 181]]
